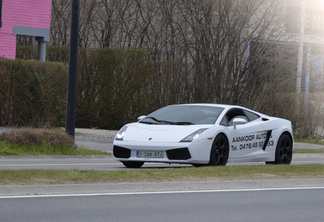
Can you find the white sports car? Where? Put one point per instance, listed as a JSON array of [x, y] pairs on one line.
[[204, 134]]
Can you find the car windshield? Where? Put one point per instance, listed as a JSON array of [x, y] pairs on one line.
[[183, 115]]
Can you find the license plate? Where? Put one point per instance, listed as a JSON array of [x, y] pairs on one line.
[[150, 154]]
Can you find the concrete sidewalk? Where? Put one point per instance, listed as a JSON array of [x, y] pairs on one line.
[[308, 146]]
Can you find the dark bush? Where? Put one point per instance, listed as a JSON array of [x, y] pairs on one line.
[[32, 93], [115, 86], [37, 137]]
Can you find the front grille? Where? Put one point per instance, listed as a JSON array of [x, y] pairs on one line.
[[120, 152], [178, 154]]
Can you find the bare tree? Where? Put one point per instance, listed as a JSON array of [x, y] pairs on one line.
[[60, 22], [105, 22], [215, 46]]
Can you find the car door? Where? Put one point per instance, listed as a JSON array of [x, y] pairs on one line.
[[247, 138]]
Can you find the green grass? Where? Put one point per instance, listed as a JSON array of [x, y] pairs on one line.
[[156, 175], [309, 150], [7, 148]]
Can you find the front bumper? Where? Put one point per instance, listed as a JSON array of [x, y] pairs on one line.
[[171, 154], [196, 152]]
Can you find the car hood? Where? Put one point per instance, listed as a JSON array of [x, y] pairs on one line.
[[159, 133]]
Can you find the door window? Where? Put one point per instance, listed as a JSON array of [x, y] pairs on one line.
[[238, 113]]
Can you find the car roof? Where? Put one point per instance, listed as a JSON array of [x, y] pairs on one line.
[[209, 104], [226, 107]]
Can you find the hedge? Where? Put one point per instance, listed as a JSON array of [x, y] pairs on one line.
[[114, 87], [32, 93]]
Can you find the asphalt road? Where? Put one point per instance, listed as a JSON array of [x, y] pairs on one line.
[[102, 140], [298, 205], [108, 163]]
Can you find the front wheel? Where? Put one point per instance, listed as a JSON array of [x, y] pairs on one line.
[[219, 151], [284, 150], [133, 164]]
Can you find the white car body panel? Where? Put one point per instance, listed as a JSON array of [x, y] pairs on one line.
[[246, 141], [159, 133]]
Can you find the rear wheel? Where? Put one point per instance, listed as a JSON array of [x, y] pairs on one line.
[[284, 150], [133, 164], [219, 151]]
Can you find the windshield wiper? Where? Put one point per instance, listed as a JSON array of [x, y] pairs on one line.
[[184, 123], [157, 120], [146, 122], [167, 122]]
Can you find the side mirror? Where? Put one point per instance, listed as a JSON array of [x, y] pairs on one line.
[[140, 118], [239, 121]]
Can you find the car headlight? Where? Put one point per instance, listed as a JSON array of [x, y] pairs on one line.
[[193, 135], [121, 133]]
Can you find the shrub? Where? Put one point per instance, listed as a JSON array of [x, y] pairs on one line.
[[32, 93], [115, 86], [30, 136]]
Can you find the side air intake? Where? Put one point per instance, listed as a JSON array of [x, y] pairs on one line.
[[120, 152], [178, 154]]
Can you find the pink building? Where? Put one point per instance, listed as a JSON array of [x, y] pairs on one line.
[[24, 17]]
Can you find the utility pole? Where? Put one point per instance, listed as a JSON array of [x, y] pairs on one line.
[[72, 82]]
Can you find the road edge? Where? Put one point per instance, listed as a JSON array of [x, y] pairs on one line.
[[138, 187]]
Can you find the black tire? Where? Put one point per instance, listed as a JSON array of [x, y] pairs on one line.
[[284, 150], [133, 164], [219, 151]]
